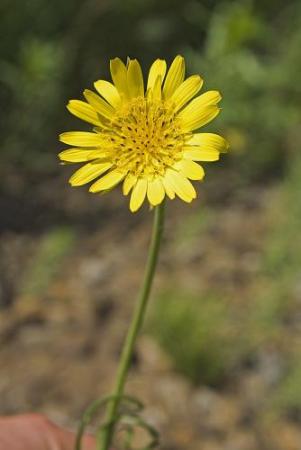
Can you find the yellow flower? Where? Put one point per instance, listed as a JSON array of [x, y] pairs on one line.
[[144, 137]]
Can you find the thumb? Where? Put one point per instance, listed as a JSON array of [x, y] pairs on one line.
[[89, 443], [67, 439]]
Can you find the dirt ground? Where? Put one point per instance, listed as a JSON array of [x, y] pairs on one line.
[[59, 348]]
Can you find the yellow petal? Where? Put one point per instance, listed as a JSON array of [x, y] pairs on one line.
[[119, 76], [158, 68], [88, 173], [100, 105], [135, 79], [81, 139], [83, 111], [108, 181], [99, 153], [200, 110], [174, 77], [108, 91], [197, 118], [156, 93], [181, 186], [128, 183], [155, 191], [190, 169], [79, 155], [168, 188], [209, 141], [208, 98], [138, 194], [186, 91], [201, 154]]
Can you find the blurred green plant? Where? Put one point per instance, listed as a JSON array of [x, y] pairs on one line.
[[200, 334], [208, 337], [287, 398], [278, 300], [280, 304], [195, 223], [47, 260], [258, 73], [48, 50]]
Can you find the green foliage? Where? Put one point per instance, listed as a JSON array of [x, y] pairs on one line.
[[199, 333], [208, 337], [35, 102], [288, 394], [284, 245], [244, 57], [51, 51], [47, 260], [278, 299], [194, 224]]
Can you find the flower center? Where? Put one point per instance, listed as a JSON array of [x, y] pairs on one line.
[[145, 138]]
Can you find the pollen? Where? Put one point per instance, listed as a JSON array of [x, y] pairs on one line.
[[146, 138]]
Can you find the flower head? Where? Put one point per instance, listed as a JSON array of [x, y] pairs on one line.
[[144, 136]]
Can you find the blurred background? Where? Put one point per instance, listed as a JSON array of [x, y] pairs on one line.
[[218, 363]]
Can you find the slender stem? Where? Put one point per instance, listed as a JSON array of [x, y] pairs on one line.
[[106, 434]]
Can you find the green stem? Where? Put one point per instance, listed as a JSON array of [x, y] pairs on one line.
[[106, 434]]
